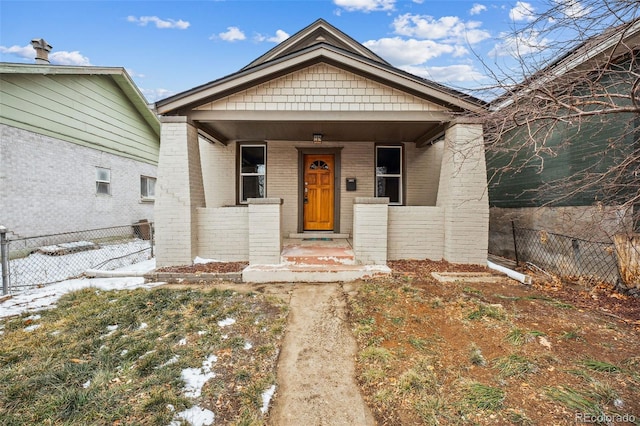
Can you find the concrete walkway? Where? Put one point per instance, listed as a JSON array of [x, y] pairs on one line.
[[316, 384]]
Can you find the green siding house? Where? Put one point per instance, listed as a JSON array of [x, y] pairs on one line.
[[78, 149], [574, 172]]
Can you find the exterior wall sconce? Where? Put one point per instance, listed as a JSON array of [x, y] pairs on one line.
[[317, 138]]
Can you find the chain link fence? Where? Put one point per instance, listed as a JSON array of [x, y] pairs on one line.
[[47, 259], [565, 256]]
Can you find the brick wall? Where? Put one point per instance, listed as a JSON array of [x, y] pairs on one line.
[[265, 236], [415, 232], [219, 173], [223, 233], [370, 219], [48, 186], [463, 195], [422, 173], [179, 192]]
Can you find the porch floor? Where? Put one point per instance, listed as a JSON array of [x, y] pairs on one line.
[[314, 260]]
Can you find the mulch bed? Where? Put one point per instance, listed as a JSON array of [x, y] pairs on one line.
[[211, 267], [601, 297]]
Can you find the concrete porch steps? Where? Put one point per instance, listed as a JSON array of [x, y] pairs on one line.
[[314, 260]]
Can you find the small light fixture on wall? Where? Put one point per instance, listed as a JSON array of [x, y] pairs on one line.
[[317, 138]]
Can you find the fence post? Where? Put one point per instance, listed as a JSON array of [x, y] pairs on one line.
[[151, 237], [515, 245], [4, 259]]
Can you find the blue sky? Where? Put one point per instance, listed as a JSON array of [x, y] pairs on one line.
[[171, 46]]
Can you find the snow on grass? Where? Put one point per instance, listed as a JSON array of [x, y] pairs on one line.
[[36, 299], [42, 268], [195, 416], [195, 378], [32, 327], [226, 322], [266, 398]]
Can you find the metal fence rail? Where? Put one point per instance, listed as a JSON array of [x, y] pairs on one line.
[[567, 256], [48, 259]]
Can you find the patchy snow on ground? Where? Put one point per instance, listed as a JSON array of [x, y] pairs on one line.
[[39, 267], [195, 378], [46, 297], [195, 416], [266, 398]]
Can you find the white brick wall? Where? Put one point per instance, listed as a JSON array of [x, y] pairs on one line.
[[463, 195], [265, 236], [370, 219], [322, 87], [48, 186], [179, 192], [422, 173], [218, 173], [223, 233], [416, 232]]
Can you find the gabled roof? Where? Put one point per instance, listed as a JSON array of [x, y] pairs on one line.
[[319, 42], [318, 32], [608, 45], [118, 74]]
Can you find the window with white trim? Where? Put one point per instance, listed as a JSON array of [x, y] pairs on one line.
[[389, 173], [253, 172], [103, 181], [147, 188]]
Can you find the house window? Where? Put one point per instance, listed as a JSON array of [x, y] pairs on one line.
[[389, 173], [253, 169], [147, 188], [103, 181]]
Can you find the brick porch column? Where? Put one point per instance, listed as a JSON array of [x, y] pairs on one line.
[[179, 191], [265, 236], [462, 193], [370, 222]]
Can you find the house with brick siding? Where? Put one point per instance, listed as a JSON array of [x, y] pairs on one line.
[[78, 148], [320, 140]]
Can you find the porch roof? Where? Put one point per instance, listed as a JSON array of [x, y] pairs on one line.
[[333, 48]]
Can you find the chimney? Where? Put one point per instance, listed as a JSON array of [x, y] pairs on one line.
[[42, 50]]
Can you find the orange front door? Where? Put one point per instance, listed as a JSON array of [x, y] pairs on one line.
[[318, 192]]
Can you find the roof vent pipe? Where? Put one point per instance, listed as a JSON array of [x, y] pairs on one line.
[[42, 49]]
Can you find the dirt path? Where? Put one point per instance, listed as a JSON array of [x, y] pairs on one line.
[[316, 383]]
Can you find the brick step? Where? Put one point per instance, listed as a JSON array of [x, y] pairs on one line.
[[336, 252], [311, 273]]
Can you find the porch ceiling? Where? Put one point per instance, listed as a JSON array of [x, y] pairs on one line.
[[371, 131]]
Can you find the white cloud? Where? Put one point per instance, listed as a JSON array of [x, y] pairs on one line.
[[160, 23], [447, 74], [69, 58], [57, 58], [153, 95], [573, 8], [477, 9], [278, 38], [232, 34], [520, 45], [447, 28], [134, 74], [365, 5], [26, 52], [522, 11], [402, 52]]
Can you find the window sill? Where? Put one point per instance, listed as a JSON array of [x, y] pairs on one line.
[[147, 200]]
